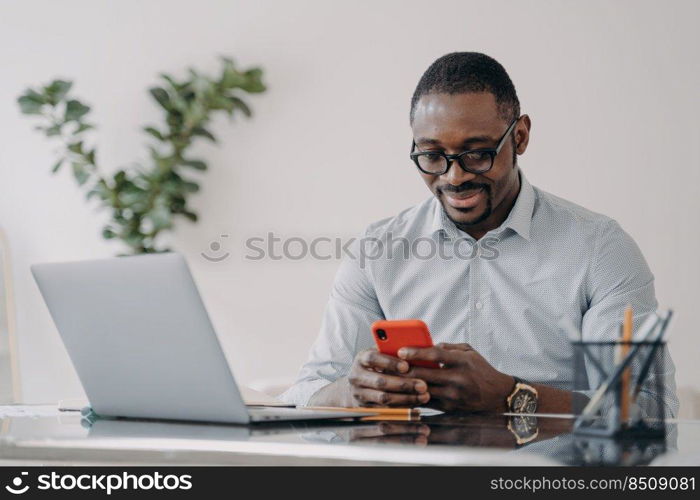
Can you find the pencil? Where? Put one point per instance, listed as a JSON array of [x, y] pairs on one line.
[[393, 412], [391, 418], [627, 327]]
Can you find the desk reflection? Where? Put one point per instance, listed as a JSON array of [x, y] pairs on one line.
[[549, 437]]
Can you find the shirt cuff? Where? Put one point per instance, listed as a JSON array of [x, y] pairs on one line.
[[300, 393]]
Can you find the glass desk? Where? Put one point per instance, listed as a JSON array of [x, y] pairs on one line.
[[42, 435]]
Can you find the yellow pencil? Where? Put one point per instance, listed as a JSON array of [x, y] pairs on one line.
[[393, 418], [393, 412], [627, 327]]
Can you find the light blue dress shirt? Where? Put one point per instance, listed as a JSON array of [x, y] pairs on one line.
[[503, 294]]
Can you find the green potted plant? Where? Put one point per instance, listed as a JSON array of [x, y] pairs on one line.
[[147, 199]]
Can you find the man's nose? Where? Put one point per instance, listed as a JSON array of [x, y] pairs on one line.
[[456, 175]]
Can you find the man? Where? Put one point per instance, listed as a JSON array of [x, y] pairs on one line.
[[534, 258]]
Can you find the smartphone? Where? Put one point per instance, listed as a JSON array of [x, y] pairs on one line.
[[392, 335]]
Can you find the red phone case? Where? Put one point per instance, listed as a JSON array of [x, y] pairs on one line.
[[403, 333]]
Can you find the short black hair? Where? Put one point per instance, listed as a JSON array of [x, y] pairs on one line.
[[464, 72]]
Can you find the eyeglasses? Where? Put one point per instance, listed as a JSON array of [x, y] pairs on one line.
[[475, 161]]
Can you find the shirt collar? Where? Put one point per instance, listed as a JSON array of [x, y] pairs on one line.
[[519, 219]]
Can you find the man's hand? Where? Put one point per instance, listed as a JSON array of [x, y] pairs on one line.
[[390, 433], [466, 381], [379, 379]]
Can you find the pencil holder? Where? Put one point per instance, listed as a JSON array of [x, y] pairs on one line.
[[625, 385]]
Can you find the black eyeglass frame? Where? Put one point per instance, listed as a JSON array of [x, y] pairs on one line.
[[492, 152]]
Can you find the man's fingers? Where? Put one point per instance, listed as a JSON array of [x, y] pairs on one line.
[[433, 376], [444, 393], [455, 347], [372, 396], [415, 439], [376, 360], [387, 383], [365, 433], [434, 354], [389, 428]]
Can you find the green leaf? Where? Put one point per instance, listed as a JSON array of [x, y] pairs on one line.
[[241, 105], [75, 110], [202, 132], [254, 73], [232, 78], [195, 114], [171, 81], [253, 82], [161, 97], [36, 96], [221, 102], [90, 156], [190, 187], [108, 233], [31, 102], [164, 162], [100, 191], [196, 164], [57, 90], [58, 164], [81, 175], [76, 147], [120, 177], [154, 132], [133, 198], [53, 130], [191, 216], [160, 217], [254, 87], [134, 240], [83, 127], [29, 105]]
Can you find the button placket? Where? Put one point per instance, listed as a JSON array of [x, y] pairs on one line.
[[473, 293], [482, 334]]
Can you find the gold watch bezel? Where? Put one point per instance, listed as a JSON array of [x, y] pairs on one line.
[[521, 386], [520, 440]]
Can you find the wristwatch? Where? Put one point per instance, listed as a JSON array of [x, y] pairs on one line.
[[523, 398], [523, 427]]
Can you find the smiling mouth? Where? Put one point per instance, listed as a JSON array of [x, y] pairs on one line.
[[464, 199]]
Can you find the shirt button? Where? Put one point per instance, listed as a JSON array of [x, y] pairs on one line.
[[479, 305]]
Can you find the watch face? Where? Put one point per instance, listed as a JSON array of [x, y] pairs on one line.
[[524, 402], [523, 428]]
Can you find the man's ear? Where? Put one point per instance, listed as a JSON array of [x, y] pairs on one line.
[[522, 134]]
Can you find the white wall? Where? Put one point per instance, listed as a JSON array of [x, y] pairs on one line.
[[611, 87]]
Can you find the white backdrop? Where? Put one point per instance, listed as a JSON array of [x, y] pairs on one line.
[[611, 87]]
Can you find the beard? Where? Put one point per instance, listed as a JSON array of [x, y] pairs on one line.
[[477, 218], [464, 224]]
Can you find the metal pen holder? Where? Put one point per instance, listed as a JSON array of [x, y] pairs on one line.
[[609, 369]]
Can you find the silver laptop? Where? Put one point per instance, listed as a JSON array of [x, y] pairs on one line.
[[142, 343]]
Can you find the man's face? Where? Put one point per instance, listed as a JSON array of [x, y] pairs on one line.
[[453, 123]]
